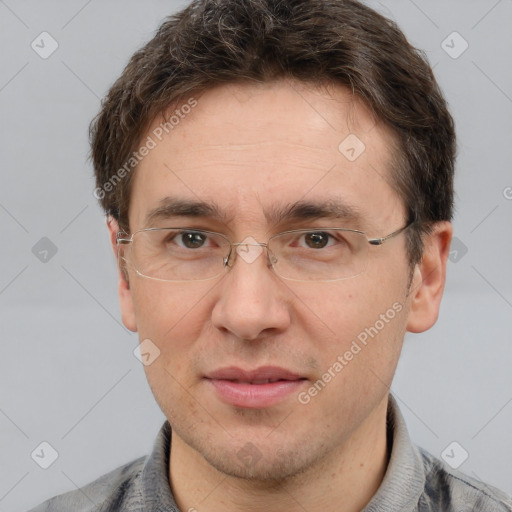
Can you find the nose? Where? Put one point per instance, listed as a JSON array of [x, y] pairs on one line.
[[252, 301]]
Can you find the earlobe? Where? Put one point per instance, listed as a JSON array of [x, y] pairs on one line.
[[124, 291], [429, 279]]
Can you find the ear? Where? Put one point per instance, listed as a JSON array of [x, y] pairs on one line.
[[429, 279], [125, 293]]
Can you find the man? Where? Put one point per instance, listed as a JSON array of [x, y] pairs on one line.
[[278, 183]]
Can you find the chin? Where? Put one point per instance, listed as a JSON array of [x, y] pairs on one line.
[[275, 467], [269, 458]]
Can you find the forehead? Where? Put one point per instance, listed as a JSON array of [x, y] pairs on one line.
[[253, 148]]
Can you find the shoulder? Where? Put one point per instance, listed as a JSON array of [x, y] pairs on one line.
[[449, 489], [105, 493]]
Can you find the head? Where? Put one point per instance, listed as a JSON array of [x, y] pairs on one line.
[[245, 105]]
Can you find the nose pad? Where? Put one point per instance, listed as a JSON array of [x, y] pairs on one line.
[[249, 250], [272, 258]]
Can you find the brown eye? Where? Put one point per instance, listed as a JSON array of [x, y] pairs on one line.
[[317, 240], [186, 239], [193, 240]]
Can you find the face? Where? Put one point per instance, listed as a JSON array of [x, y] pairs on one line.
[[252, 150]]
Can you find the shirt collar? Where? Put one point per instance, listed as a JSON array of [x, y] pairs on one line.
[[156, 488], [404, 480], [399, 491]]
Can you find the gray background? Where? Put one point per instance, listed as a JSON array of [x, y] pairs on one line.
[[68, 373]]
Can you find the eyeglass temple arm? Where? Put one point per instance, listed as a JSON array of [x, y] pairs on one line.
[[120, 240], [380, 241]]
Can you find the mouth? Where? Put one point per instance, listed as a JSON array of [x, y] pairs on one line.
[[256, 389]]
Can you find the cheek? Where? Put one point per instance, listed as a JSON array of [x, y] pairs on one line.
[[338, 311], [174, 317], [357, 369], [358, 325], [164, 310]]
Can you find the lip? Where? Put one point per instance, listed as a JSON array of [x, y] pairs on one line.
[[245, 388]]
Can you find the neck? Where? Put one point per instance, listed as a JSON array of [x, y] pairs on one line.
[[344, 481]]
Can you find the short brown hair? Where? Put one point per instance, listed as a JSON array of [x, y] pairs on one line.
[[344, 42]]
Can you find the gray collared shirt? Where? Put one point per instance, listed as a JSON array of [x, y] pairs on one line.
[[415, 481]]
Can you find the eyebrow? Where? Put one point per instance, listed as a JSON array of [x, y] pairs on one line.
[[173, 207], [170, 207], [311, 210]]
